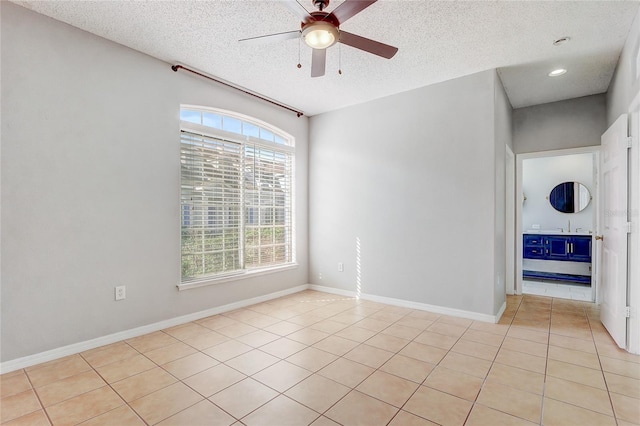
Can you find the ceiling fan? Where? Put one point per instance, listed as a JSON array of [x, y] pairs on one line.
[[321, 30]]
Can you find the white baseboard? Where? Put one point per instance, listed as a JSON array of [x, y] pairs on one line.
[[28, 361], [413, 305]]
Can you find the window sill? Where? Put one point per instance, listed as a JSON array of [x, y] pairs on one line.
[[235, 277]]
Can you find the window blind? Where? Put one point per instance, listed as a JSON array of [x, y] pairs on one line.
[[236, 205], [211, 199]]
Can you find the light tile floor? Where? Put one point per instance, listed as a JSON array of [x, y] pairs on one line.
[[558, 290], [316, 358]]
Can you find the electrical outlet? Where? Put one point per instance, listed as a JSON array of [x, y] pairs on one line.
[[340, 267], [121, 292]]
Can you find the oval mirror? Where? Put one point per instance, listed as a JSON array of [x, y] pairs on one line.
[[570, 197]]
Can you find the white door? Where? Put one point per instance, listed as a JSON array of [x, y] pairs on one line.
[[613, 225]]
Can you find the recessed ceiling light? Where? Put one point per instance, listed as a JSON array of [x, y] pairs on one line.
[[561, 40], [558, 72]]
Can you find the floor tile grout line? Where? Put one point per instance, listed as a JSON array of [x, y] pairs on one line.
[[35, 392], [394, 352], [115, 391], [604, 377]]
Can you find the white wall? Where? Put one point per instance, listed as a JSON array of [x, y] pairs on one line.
[[541, 175], [90, 187], [573, 123], [402, 191]]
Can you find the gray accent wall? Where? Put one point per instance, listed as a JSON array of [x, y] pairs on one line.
[[90, 187], [403, 192], [573, 123], [625, 84]]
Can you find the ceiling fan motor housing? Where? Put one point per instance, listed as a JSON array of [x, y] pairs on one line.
[[321, 4]]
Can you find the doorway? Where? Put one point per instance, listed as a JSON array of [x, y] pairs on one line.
[[556, 205]]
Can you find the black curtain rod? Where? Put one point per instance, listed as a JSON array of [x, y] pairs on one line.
[[177, 67]]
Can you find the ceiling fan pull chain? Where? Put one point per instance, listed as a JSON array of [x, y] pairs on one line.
[[339, 59], [299, 44]]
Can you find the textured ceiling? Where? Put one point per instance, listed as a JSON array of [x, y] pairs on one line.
[[437, 41]]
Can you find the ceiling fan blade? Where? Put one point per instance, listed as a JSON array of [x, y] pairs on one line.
[[318, 60], [368, 45], [272, 37], [297, 9], [350, 8]]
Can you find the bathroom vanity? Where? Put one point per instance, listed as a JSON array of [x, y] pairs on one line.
[[557, 256]]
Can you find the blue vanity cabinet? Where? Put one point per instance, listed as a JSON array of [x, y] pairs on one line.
[[580, 248], [557, 257], [533, 247], [558, 247]]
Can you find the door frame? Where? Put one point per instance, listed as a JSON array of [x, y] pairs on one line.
[[520, 199], [633, 285], [510, 221]]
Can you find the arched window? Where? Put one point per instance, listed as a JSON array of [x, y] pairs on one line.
[[236, 194]]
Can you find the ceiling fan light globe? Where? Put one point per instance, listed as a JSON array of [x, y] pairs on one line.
[[320, 35]]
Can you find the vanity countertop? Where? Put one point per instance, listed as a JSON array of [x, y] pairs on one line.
[[554, 232]]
